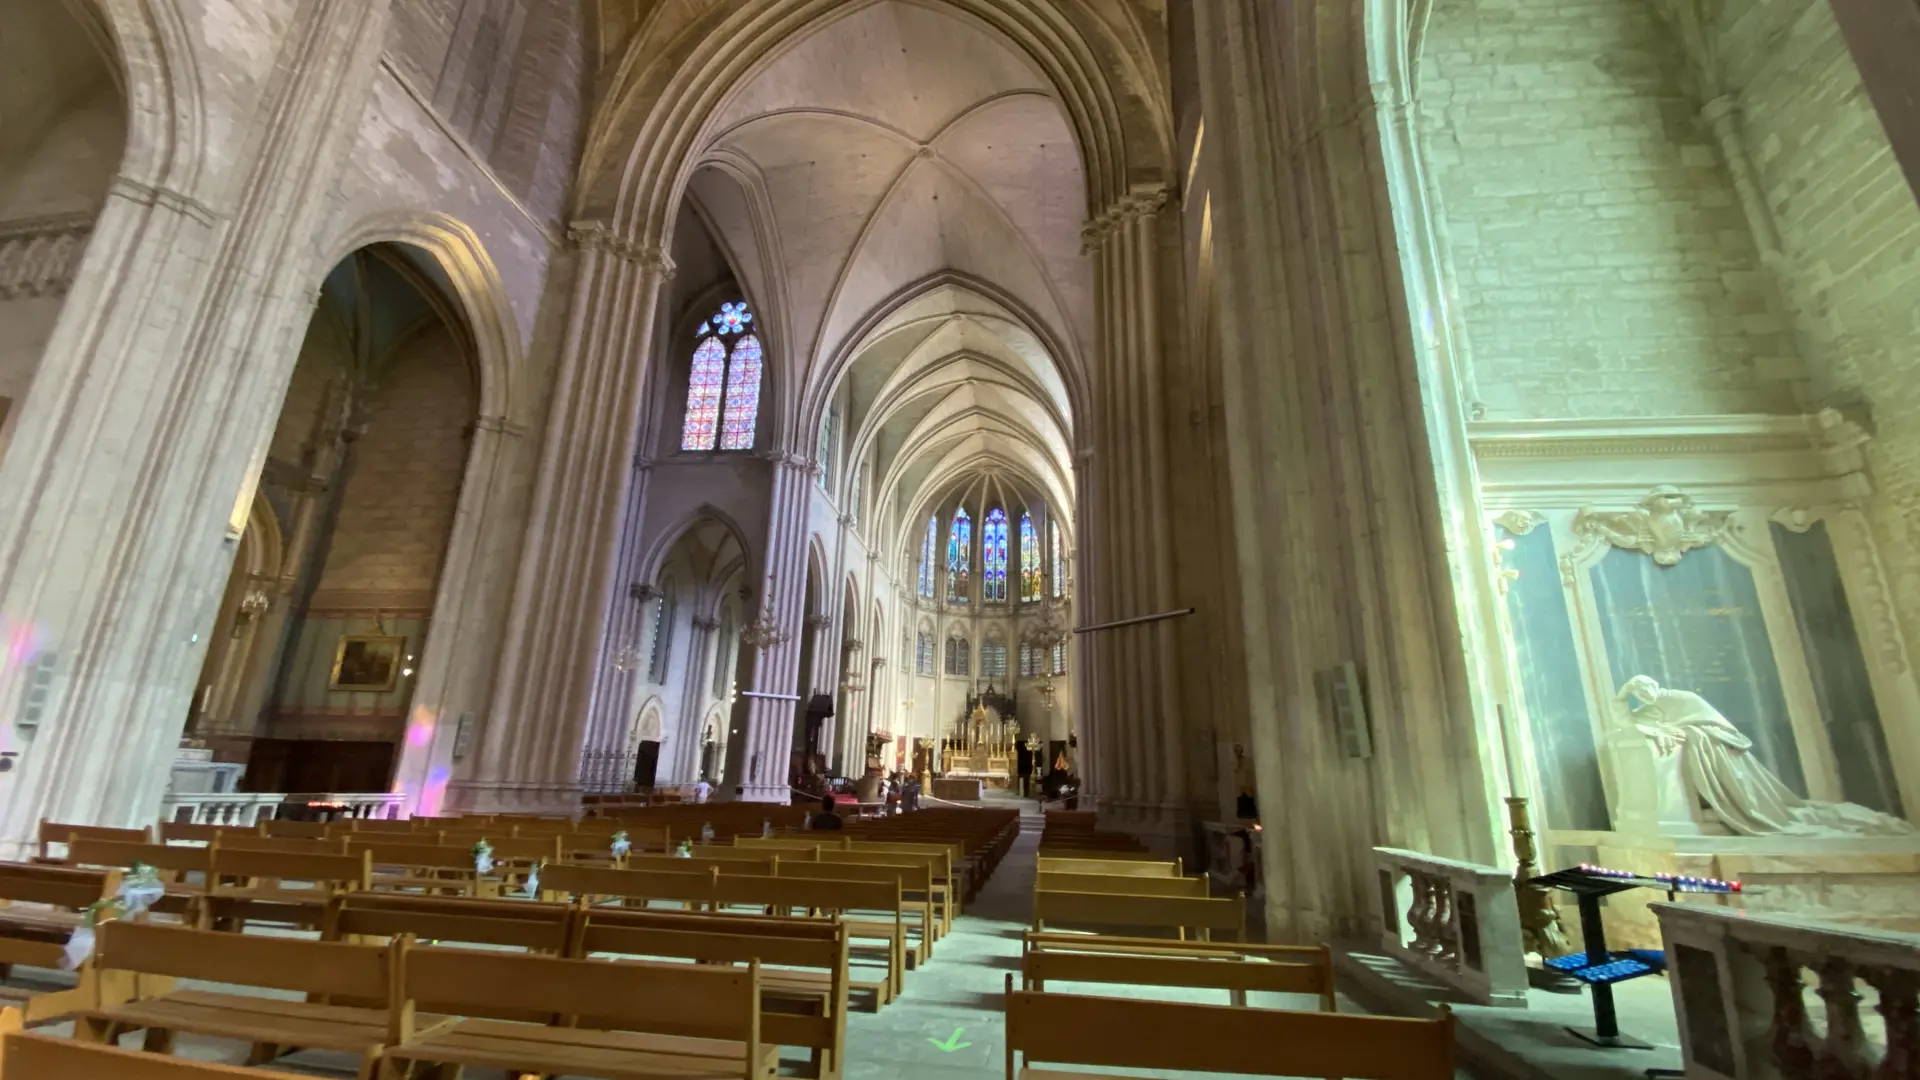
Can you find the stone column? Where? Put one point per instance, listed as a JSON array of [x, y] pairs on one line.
[[626, 622], [1134, 245], [134, 458], [683, 756], [822, 675], [1340, 432], [549, 666], [776, 672]]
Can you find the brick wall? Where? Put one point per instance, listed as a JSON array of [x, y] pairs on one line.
[[1850, 233], [398, 506], [1601, 264]]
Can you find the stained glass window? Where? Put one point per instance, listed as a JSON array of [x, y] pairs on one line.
[[926, 557], [1029, 660], [703, 395], [723, 385], [959, 557], [743, 394], [923, 654], [993, 660], [1030, 572], [958, 660], [1060, 658], [993, 540], [1059, 562]]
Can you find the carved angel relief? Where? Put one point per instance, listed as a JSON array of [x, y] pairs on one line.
[[1665, 525]]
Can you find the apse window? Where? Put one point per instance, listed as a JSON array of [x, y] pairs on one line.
[[723, 385]]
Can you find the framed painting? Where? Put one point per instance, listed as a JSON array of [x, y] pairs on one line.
[[368, 663]]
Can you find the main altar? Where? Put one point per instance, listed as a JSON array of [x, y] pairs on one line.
[[981, 745]]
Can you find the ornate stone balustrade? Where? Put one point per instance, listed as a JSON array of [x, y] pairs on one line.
[[1455, 921], [40, 256], [246, 808], [1765, 997]]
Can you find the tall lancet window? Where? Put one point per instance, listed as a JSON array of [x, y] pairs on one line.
[[926, 556], [823, 455], [993, 543], [959, 557], [723, 386], [1059, 562], [1032, 577]]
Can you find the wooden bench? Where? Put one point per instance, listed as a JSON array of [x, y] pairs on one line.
[[1071, 1029], [848, 899], [1053, 864], [54, 832], [174, 864], [619, 1019], [804, 1000], [25, 1056], [916, 893], [594, 884], [40, 907], [423, 867], [289, 829], [278, 887], [159, 955], [1180, 913], [1054, 881], [375, 916], [945, 899], [1280, 969]]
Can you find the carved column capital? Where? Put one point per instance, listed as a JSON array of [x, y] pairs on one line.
[[819, 622], [599, 237], [705, 625], [643, 592]]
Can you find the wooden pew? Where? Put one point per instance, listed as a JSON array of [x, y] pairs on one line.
[[649, 1019], [26, 1056], [1071, 1029], [844, 898], [1181, 913], [594, 884], [916, 892], [289, 829], [37, 936], [1281, 969], [278, 887], [54, 832], [159, 955], [1054, 864], [945, 898], [422, 867], [173, 863], [375, 916], [1054, 881], [809, 1005]]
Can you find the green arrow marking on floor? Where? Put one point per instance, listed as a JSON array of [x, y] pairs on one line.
[[953, 1042]]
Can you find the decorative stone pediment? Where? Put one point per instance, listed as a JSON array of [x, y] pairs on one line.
[[1665, 525]]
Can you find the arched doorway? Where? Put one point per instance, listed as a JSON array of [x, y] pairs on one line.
[[63, 131], [309, 677]]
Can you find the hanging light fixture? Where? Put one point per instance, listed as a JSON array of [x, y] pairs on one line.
[[765, 632]]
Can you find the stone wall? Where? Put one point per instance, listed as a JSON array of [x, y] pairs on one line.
[[404, 483], [1600, 262], [1849, 232]]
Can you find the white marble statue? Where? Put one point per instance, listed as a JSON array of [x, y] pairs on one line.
[[1718, 769]]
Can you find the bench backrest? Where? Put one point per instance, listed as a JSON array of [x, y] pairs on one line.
[[1311, 974], [326, 968], [179, 858], [27, 1056], [676, 999], [187, 832], [58, 886], [1069, 820], [812, 893], [289, 829], [1071, 1029], [535, 927], [1050, 864], [1118, 883], [55, 832], [416, 856], [1162, 912], [243, 840], [693, 887], [674, 864], [329, 871]]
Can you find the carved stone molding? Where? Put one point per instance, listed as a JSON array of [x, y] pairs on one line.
[[145, 194], [1665, 525], [598, 237], [642, 592], [501, 425], [819, 622], [1142, 202], [39, 257], [701, 622]]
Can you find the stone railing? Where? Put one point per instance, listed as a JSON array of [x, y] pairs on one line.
[[248, 808], [40, 256], [1457, 922], [1766, 997]]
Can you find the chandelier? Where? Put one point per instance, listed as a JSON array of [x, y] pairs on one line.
[[765, 632], [1051, 628]]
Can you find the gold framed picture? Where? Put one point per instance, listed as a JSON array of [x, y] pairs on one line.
[[368, 663]]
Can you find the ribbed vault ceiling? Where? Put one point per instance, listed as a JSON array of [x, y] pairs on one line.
[[901, 196]]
